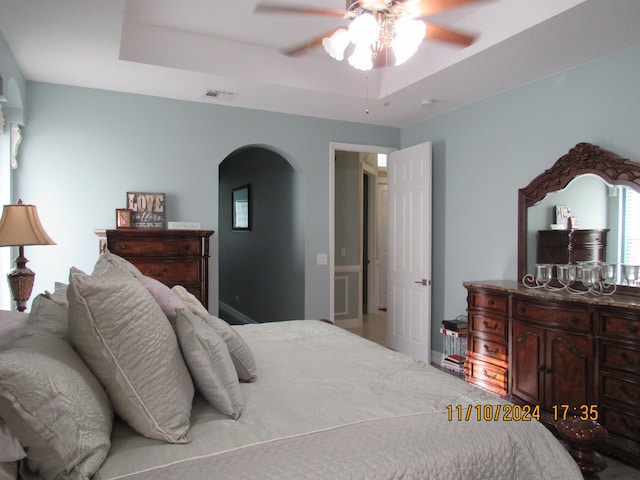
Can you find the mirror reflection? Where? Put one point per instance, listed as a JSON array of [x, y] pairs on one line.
[[604, 226]]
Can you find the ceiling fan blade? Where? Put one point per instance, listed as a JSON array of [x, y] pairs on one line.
[[444, 34], [303, 48], [275, 8], [430, 7]]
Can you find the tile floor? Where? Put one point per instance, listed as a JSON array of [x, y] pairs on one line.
[[374, 327]]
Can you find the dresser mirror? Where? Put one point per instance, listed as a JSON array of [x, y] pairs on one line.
[[591, 181]]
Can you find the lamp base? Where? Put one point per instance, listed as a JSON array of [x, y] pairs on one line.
[[21, 282]]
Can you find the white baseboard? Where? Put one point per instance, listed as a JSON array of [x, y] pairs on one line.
[[226, 310]]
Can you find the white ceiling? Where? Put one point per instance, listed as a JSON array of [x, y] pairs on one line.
[[180, 49]]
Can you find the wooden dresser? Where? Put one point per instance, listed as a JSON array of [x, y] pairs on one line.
[[174, 257], [571, 246], [553, 349]]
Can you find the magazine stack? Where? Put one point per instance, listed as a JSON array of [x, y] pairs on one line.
[[455, 343]]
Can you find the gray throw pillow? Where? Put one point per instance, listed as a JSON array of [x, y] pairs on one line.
[[241, 354], [111, 260], [209, 362], [54, 405], [127, 342]]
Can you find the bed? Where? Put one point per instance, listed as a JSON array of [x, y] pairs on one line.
[[317, 402]]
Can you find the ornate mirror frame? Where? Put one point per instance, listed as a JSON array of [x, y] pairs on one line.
[[581, 159]]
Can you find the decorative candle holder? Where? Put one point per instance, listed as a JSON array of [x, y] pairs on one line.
[[595, 278]]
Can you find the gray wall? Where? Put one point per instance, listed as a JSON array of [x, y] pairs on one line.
[[483, 153], [84, 149], [261, 271]]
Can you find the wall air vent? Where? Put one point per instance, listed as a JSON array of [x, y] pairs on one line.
[[220, 95]]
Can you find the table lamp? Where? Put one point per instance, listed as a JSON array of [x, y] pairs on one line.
[[20, 226]]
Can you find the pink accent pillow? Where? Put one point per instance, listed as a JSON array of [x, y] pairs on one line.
[[166, 298]]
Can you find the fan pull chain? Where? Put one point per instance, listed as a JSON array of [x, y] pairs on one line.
[[367, 93]]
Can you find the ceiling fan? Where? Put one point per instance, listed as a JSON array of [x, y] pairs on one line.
[[381, 32]]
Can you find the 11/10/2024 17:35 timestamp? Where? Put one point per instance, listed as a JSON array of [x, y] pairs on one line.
[[493, 413]]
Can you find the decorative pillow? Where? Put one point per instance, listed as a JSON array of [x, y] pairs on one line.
[[54, 405], [59, 294], [241, 354], [209, 362], [9, 470], [125, 339], [10, 448], [49, 316], [166, 298], [108, 259], [190, 300]]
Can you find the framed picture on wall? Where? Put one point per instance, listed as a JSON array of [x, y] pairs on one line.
[[241, 206]]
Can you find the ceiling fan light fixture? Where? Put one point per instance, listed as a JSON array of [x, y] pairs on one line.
[[364, 30], [336, 44], [409, 34], [361, 58]]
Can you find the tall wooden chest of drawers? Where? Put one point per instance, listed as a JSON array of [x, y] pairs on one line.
[[570, 246], [554, 349], [174, 257]]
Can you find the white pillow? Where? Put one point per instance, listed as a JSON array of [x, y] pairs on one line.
[[126, 340], [54, 405], [209, 362], [241, 354], [190, 300], [10, 448]]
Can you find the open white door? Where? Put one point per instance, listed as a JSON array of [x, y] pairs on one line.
[[409, 300]]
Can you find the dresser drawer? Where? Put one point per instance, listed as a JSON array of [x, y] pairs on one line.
[[179, 272], [619, 357], [615, 325], [166, 247], [487, 375], [548, 316], [488, 348], [488, 301], [620, 389], [487, 324], [620, 422]]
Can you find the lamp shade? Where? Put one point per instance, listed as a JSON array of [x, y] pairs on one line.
[[20, 226]]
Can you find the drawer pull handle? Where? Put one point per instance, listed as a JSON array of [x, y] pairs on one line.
[[187, 247], [574, 319], [629, 426], [541, 368], [633, 328], [156, 274], [490, 327], [521, 309], [491, 352], [492, 377], [628, 394], [123, 247], [629, 361], [490, 302]]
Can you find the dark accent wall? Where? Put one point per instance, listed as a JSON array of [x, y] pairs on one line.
[[261, 273]]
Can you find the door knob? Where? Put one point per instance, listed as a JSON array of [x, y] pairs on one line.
[[423, 282]]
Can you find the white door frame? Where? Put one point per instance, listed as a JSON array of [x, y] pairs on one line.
[[347, 147]]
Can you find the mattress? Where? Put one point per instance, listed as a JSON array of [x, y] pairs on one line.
[[329, 404]]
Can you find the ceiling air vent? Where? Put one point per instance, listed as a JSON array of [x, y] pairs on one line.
[[220, 95]]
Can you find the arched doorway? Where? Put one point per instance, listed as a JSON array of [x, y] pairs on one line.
[[261, 268]]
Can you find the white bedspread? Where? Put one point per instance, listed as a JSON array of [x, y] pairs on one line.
[[328, 404]]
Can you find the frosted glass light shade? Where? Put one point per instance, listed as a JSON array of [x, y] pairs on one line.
[[409, 36], [361, 58], [364, 30], [336, 44]]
